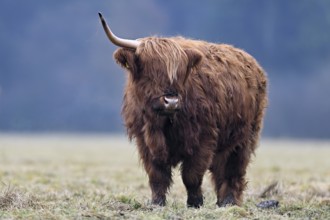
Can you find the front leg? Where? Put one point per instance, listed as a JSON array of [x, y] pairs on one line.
[[154, 155], [193, 182], [160, 179], [193, 170]]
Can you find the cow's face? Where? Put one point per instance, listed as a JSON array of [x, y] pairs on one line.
[[158, 71]]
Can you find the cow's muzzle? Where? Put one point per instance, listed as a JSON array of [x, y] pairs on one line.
[[166, 104], [171, 103]]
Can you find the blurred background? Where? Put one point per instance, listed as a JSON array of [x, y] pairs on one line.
[[57, 73]]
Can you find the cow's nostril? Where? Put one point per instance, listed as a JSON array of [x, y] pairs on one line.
[[165, 100], [171, 101]]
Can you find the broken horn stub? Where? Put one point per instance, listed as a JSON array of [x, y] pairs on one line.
[[126, 43]]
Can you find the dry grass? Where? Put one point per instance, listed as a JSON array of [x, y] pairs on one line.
[[11, 198], [98, 177]]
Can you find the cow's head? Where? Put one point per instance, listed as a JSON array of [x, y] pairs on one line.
[[158, 70]]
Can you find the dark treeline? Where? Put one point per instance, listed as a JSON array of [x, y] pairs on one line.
[[57, 73]]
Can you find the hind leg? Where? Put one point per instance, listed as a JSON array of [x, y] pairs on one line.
[[228, 174]]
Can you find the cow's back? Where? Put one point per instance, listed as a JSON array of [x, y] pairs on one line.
[[233, 86]]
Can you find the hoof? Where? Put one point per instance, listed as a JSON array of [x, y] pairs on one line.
[[195, 202], [229, 200], [160, 201]]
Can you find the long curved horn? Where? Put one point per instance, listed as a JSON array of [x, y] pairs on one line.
[[133, 44]]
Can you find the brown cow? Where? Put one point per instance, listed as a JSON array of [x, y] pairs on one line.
[[196, 103]]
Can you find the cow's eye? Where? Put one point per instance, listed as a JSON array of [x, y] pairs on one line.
[[127, 65]]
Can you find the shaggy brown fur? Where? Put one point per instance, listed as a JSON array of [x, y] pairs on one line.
[[222, 91]]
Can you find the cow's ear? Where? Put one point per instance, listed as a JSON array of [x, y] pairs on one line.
[[128, 60], [194, 58], [125, 58]]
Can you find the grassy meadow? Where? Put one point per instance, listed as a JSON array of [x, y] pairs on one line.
[[99, 177]]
